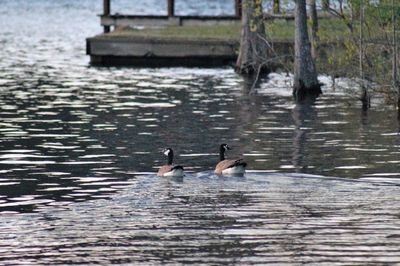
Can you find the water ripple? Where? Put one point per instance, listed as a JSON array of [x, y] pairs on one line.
[[273, 218]]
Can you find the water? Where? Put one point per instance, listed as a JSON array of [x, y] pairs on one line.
[[260, 219], [79, 147]]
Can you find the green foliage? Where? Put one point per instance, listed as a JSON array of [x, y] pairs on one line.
[[350, 50], [378, 37]]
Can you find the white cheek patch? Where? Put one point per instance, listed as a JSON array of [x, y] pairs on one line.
[[166, 152]]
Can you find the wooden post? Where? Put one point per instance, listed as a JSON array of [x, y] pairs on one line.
[[171, 7], [106, 12], [238, 8]]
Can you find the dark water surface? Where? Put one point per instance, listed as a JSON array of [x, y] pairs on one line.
[[79, 147]]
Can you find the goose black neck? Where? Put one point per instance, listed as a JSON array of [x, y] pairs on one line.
[[170, 157], [221, 153]]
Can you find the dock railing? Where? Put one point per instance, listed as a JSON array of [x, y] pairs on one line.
[[109, 20]]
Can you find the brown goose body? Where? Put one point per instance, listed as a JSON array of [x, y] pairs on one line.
[[229, 167], [170, 169]]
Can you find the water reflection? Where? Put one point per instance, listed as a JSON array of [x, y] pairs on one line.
[[304, 116]]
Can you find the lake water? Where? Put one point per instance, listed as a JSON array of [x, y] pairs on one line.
[[80, 145]]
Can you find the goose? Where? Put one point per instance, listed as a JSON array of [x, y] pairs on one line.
[[169, 169], [229, 167]]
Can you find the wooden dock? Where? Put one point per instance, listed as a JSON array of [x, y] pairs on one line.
[[123, 44], [132, 50], [130, 47]]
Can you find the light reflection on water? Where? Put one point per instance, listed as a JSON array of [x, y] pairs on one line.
[[79, 147], [260, 218]]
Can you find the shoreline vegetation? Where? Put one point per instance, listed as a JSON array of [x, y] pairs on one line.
[[354, 38], [337, 55]]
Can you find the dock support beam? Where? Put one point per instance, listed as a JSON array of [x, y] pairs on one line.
[[238, 8], [106, 12], [171, 8]]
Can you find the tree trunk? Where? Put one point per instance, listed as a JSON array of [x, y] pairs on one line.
[[305, 75], [314, 29], [276, 8], [396, 83], [253, 53]]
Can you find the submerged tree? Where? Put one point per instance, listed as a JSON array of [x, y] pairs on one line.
[[305, 74], [253, 53]]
